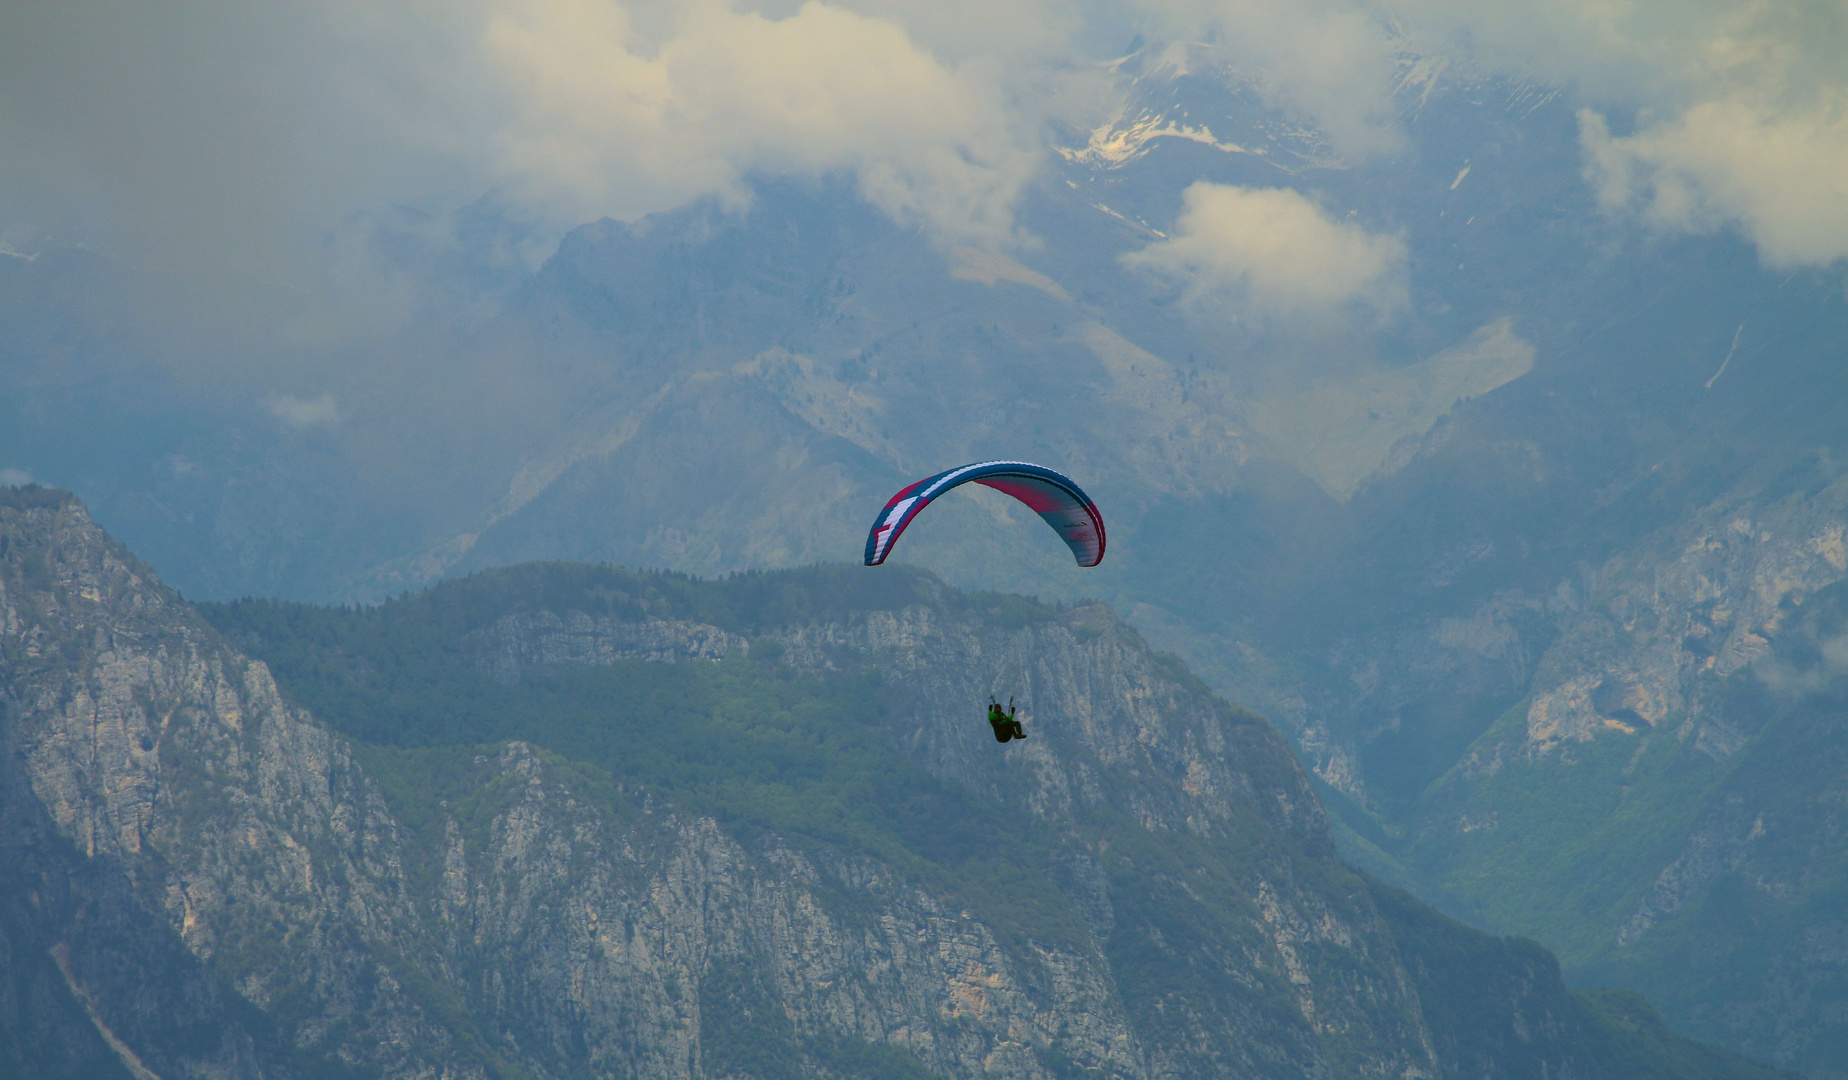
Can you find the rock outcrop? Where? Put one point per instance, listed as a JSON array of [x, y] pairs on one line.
[[210, 882]]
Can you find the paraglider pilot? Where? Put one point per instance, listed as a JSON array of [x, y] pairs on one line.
[[1003, 721]]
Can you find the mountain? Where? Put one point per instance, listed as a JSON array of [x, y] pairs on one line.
[[1520, 577], [1661, 805], [1536, 572], [839, 354], [566, 820]]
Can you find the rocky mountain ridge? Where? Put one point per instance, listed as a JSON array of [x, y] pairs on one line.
[[224, 887], [1496, 531], [1621, 793]]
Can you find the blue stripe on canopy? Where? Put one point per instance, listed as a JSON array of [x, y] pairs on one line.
[[1059, 502]]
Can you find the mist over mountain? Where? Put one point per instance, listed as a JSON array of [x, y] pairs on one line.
[[1464, 392]]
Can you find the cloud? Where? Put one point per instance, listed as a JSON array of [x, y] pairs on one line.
[[1788, 678], [215, 138], [303, 412], [225, 141], [208, 137], [14, 478], [610, 123], [1738, 109], [1782, 180], [1273, 253]]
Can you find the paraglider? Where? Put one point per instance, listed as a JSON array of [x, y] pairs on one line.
[[1058, 501], [1003, 720], [1052, 495]]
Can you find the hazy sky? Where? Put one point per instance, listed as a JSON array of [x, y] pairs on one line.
[[234, 138], [282, 189]]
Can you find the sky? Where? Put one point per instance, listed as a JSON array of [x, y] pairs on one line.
[[310, 210], [225, 139], [294, 191]]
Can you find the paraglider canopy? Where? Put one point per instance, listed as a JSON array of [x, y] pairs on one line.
[[1052, 495]]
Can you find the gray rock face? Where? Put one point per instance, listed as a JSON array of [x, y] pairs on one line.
[[1704, 601], [1677, 724], [1095, 699], [194, 808], [602, 939], [520, 640], [212, 885]]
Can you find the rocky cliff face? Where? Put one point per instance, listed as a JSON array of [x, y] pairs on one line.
[[1682, 704], [1662, 626], [193, 846], [211, 883], [1620, 756]]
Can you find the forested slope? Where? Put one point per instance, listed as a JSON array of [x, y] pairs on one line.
[[574, 821]]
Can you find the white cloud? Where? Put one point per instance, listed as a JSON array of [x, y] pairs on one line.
[[1781, 179], [211, 138], [212, 135], [303, 412], [612, 123], [1271, 252], [1740, 106], [1785, 677], [14, 477]]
